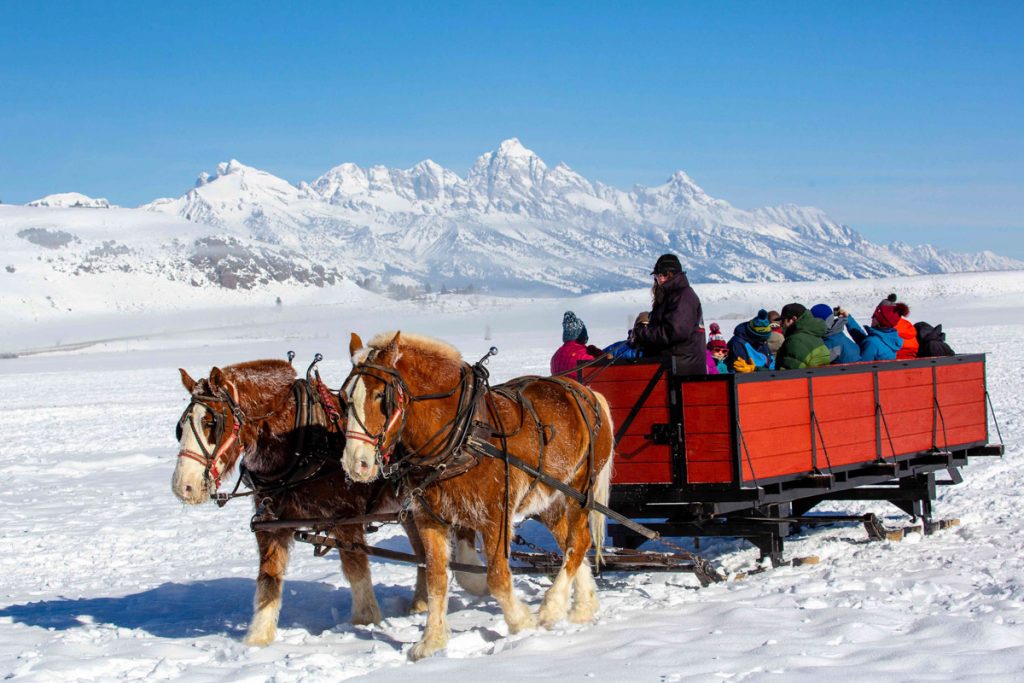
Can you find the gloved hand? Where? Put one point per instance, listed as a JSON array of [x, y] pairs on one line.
[[742, 365]]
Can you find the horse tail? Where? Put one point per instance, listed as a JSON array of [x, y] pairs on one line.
[[603, 483]]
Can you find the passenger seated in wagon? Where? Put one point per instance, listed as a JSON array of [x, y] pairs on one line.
[[777, 337], [803, 347], [674, 327], [841, 348], [748, 348], [931, 341], [574, 348], [881, 341], [719, 350], [627, 348]]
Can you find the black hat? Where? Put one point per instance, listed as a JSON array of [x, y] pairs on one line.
[[793, 310], [667, 263]]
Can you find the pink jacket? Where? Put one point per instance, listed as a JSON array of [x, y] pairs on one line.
[[566, 357]]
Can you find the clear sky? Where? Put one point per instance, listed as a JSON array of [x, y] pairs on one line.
[[903, 120]]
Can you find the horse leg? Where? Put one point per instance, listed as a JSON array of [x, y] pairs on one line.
[[273, 548], [499, 580], [419, 596], [465, 553], [434, 536], [555, 606], [355, 565]]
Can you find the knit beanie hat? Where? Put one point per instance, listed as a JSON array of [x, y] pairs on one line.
[[667, 263], [716, 340], [759, 325], [822, 311], [584, 336], [889, 311], [572, 327]]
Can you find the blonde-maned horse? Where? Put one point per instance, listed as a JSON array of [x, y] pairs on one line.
[[251, 409], [418, 392]]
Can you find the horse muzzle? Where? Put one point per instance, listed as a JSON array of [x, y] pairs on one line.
[[190, 484], [361, 464]]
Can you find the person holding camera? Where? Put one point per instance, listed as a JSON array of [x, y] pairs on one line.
[[841, 348]]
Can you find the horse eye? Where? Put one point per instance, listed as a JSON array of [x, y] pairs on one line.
[[378, 396]]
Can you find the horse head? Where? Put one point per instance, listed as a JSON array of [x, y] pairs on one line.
[[220, 421], [376, 406]]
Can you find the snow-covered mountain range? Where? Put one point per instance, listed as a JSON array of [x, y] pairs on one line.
[[513, 224]]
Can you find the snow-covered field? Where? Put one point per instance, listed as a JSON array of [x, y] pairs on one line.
[[104, 575]]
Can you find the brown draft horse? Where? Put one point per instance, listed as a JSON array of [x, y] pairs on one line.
[[251, 408], [414, 391]]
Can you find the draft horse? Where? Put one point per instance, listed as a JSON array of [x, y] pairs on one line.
[[283, 427], [417, 392]]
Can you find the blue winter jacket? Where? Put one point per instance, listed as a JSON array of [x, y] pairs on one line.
[[622, 349], [750, 349], [880, 344], [841, 348]]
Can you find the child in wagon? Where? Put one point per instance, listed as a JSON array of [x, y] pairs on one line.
[[574, 348], [718, 348]]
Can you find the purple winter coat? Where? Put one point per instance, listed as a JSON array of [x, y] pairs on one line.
[[675, 328]]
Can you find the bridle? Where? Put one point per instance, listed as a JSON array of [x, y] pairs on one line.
[[396, 401], [221, 444]]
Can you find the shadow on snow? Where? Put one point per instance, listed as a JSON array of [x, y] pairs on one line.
[[188, 610]]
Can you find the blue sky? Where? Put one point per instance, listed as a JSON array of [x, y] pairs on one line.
[[903, 120]]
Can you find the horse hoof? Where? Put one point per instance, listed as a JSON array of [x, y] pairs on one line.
[[259, 639], [525, 622], [418, 607], [424, 649], [371, 616], [584, 616]]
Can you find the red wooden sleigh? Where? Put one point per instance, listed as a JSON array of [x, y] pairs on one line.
[[746, 455]]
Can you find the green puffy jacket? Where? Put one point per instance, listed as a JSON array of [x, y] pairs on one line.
[[803, 347]]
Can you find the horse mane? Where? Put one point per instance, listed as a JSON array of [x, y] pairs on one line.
[[422, 344]]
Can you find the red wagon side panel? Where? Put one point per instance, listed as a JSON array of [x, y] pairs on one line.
[[707, 421], [844, 406], [960, 392], [638, 460], [774, 419]]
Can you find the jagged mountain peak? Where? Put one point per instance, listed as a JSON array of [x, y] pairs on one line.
[[512, 147], [516, 224]]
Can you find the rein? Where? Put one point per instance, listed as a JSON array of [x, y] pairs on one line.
[[312, 409]]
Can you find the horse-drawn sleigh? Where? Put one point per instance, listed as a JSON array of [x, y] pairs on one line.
[[426, 440]]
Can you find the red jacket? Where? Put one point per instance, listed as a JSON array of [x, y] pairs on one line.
[[908, 334], [566, 357]]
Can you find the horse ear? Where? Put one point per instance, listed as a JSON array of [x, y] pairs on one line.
[[391, 353], [216, 378], [229, 386], [187, 380], [355, 344]]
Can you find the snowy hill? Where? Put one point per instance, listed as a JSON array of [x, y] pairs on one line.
[[512, 225], [75, 200]]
